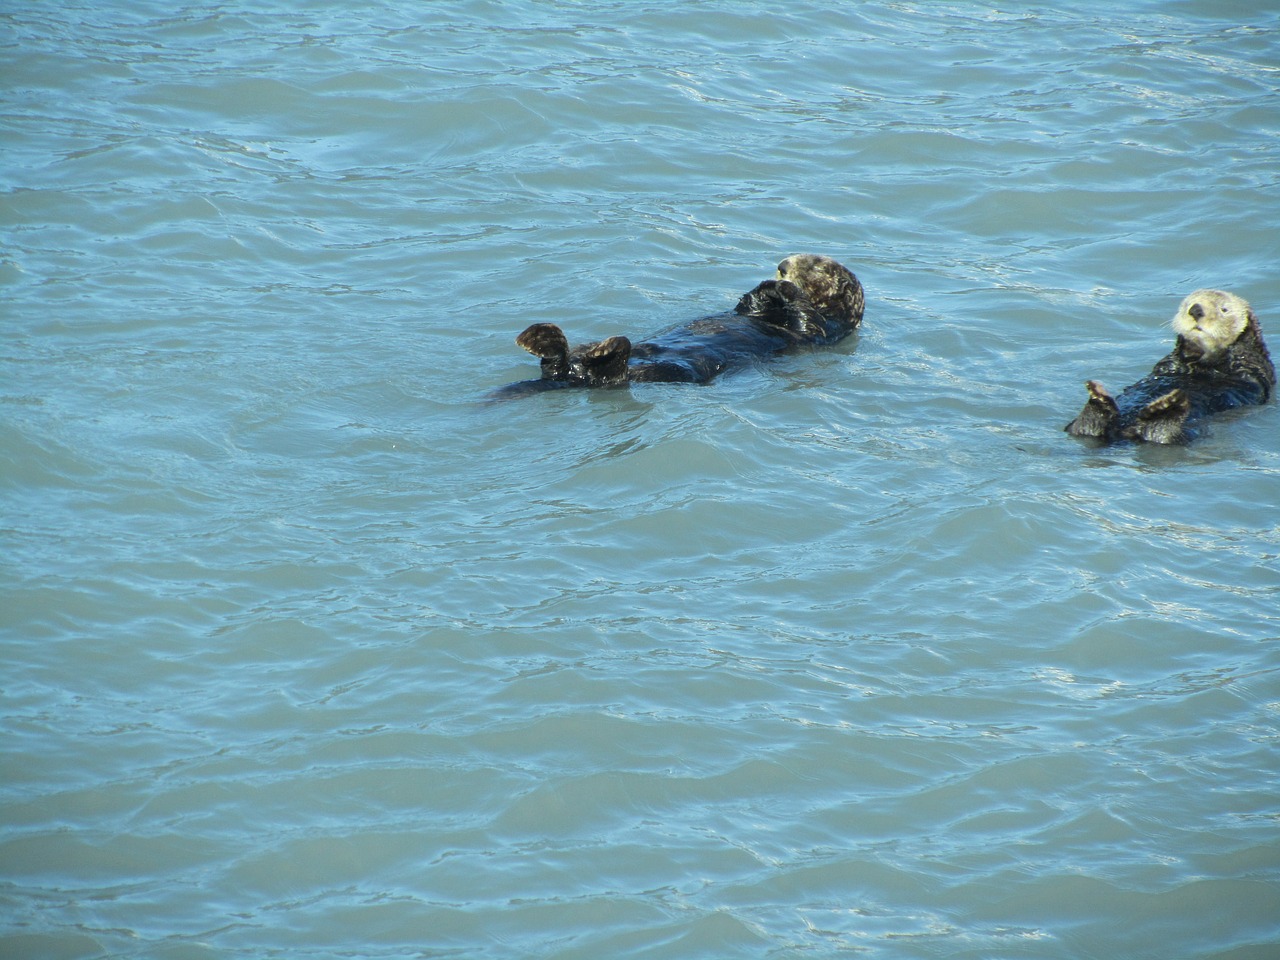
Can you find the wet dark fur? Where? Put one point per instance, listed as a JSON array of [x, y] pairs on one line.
[[776, 316], [1167, 405]]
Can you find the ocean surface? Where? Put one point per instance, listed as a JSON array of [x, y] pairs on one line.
[[311, 651]]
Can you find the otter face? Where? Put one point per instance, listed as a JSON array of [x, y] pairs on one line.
[[829, 285], [1211, 320]]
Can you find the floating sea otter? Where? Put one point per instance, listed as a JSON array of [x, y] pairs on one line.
[[814, 300], [1218, 362]]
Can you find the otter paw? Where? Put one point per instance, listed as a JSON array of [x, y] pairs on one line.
[[605, 362], [1162, 420], [544, 340], [1173, 404], [1098, 394], [1099, 413]]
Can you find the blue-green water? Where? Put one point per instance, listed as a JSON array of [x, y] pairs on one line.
[[308, 652]]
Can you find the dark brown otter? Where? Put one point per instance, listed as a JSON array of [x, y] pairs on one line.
[[1219, 361], [813, 301]]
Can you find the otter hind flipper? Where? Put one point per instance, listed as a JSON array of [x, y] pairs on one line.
[[606, 362], [1163, 420], [544, 340], [1099, 413], [547, 342]]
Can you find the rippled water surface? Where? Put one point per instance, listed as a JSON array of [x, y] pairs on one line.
[[310, 652]]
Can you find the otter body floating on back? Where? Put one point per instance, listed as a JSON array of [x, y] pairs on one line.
[[1219, 361], [814, 300]]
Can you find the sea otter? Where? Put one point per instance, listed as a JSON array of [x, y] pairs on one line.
[[813, 300], [1219, 361]]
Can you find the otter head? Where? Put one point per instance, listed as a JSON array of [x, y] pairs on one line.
[[1210, 321], [829, 286]]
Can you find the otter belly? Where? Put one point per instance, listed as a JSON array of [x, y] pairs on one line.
[[700, 351], [1205, 395]]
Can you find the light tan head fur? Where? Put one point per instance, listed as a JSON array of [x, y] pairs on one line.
[[1211, 320]]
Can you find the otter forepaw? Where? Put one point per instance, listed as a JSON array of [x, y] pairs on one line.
[[783, 304], [771, 301]]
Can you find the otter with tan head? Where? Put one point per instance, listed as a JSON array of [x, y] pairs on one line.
[[813, 300], [1219, 361]]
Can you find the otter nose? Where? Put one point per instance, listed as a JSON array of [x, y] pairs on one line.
[[1196, 311]]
